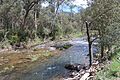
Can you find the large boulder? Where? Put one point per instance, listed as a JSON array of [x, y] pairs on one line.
[[76, 67]]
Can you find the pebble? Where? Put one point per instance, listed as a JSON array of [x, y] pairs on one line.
[[1, 64], [2, 57]]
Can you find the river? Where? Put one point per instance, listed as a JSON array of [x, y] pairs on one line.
[[55, 66]]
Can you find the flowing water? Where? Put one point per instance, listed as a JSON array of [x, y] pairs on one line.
[[55, 66]]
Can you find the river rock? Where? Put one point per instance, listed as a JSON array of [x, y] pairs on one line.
[[6, 60], [51, 48], [1, 64], [76, 67], [62, 45]]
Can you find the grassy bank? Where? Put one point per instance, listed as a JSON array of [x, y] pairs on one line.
[[111, 71]]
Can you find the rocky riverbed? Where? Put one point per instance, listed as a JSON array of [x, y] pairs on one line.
[[39, 63]]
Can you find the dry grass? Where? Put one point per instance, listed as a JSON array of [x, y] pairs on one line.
[[23, 60]]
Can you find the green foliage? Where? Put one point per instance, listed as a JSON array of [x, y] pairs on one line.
[[112, 71], [13, 39], [104, 18], [33, 57], [24, 24], [1, 35], [66, 46], [77, 34], [23, 36], [58, 30]]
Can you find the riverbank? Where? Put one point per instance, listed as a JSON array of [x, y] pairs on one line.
[[24, 60], [110, 71]]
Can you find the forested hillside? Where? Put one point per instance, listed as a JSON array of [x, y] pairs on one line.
[[26, 20]]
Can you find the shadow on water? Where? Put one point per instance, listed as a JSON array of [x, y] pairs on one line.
[[55, 66]]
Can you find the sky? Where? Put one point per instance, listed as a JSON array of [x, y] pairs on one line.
[[81, 3]]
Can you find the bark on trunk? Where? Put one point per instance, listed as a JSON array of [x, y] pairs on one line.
[[102, 51], [89, 43]]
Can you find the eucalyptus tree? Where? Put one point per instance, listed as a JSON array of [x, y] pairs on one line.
[[23, 20], [98, 17], [109, 14]]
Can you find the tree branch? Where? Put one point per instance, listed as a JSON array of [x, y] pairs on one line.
[[29, 7], [94, 39]]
